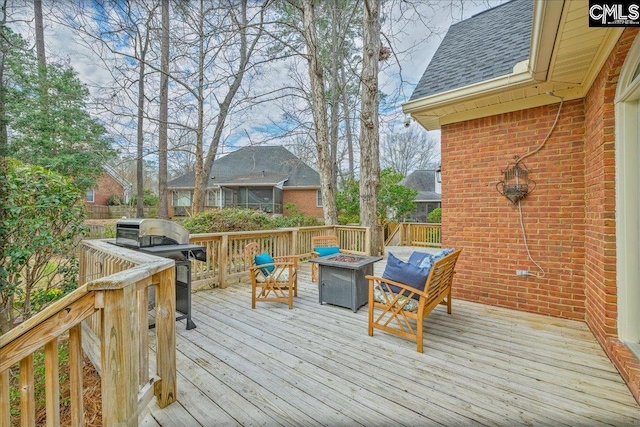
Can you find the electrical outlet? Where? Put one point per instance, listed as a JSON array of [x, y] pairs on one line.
[[522, 273]]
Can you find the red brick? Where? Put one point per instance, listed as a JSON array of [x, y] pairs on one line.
[[569, 218]]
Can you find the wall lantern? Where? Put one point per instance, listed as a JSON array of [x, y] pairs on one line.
[[516, 183], [439, 174]]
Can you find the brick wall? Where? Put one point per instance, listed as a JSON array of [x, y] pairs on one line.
[[569, 217], [305, 201], [486, 225], [105, 187], [600, 242]]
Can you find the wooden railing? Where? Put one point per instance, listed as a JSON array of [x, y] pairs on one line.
[[420, 234], [225, 251], [391, 234], [108, 317]]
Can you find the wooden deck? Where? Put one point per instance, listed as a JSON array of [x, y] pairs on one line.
[[316, 365]]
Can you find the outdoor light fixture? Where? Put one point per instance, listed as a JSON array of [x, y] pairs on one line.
[[439, 174], [516, 183]]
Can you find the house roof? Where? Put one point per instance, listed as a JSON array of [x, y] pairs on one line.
[[256, 165], [485, 46], [126, 185], [424, 182], [563, 60]]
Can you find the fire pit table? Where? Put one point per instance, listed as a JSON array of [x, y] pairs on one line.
[[342, 279]]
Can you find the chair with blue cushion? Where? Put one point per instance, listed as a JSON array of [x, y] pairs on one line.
[[272, 279], [406, 293], [323, 246]]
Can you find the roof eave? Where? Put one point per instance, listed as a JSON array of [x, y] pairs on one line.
[[544, 31], [532, 82], [302, 187], [518, 79]]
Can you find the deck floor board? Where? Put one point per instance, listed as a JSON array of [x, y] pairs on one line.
[[316, 365]]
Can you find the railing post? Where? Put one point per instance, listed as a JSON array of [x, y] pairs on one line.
[[367, 241], [75, 375], [222, 266], [118, 356], [5, 408], [83, 262], [294, 242], [166, 389]]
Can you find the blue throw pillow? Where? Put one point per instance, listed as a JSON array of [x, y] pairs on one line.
[[403, 272], [417, 257], [427, 262], [264, 258], [328, 250], [430, 259], [443, 253]]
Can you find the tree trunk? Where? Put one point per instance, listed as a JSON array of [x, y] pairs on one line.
[[140, 134], [346, 111], [42, 74], [163, 208], [200, 185], [246, 50], [369, 132], [37, 11], [335, 93], [4, 136], [6, 307], [319, 110]]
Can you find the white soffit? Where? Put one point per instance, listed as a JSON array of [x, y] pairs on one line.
[[565, 58]]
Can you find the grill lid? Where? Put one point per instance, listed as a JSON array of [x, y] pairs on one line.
[[147, 232]]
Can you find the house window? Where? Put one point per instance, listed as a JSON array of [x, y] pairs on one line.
[[90, 196], [214, 198], [182, 198], [319, 198]]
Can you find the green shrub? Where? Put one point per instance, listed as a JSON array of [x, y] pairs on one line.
[[229, 219], [114, 200], [43, 220], [435, 216], [148, 199], [294, 218]]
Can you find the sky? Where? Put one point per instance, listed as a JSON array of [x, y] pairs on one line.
[[414, 41]]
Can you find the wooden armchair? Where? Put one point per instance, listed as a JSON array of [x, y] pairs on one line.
[[321, 242], [275, 281], [393, 307]]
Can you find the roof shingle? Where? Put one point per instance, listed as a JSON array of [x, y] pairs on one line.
[[258, 165], [424, 182], [480, 48]]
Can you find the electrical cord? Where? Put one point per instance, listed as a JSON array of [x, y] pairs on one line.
[[526, 244], [553, 126], [524, 234]]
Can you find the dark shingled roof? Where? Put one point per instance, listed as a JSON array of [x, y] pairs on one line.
[[263, 165], [423, 181], [480, 48]]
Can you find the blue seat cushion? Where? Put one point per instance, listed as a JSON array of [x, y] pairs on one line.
[[327, 250], [264, 258], [405, 273]]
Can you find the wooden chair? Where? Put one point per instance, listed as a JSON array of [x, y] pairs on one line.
[[278, 285], [321, 242], [388, 309]]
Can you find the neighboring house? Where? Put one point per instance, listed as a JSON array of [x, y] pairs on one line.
[[427, 184], [262, 177], [492, 89], [107, 185]]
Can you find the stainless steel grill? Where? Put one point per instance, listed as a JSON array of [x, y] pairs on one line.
[[166, 239]]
